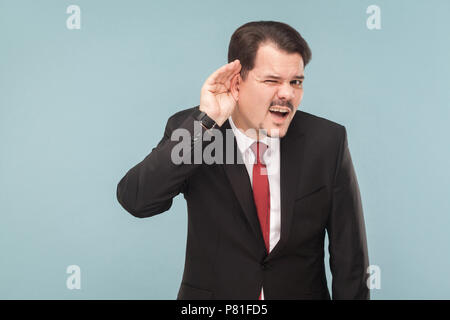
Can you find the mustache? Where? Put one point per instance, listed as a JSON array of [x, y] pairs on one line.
[[282, 103]]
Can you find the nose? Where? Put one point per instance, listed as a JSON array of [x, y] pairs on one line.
[[286, 91]]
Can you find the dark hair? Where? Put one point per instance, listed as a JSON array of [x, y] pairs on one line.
[[245, 41]]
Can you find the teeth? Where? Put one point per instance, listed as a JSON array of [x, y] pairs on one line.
[[278, 109]]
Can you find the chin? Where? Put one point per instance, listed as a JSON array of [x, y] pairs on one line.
[[273, 130], [276, 132]]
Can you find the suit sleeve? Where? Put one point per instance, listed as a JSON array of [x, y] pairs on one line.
[[346, 231], [150, 186]]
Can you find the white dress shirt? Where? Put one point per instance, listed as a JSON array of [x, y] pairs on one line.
[[272, 160]]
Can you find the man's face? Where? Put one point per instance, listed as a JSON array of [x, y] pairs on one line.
[[271, 93]]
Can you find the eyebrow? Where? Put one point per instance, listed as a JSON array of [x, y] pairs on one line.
[[278, 78]]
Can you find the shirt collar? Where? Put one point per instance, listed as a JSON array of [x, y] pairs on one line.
[[244, 142]]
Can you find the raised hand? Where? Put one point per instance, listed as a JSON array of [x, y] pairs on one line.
[[216, 99]]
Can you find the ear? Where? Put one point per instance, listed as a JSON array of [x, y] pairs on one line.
[[234, 86]]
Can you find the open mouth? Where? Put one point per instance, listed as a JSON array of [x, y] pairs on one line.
[[279, 113]]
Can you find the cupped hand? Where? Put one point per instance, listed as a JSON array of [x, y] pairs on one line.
[[216, 99]]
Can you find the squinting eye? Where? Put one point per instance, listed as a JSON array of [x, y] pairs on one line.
[[297, 83]]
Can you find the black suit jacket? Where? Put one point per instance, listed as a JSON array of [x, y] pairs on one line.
[[225, 252]]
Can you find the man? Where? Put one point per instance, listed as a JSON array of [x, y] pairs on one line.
[[256, 227]]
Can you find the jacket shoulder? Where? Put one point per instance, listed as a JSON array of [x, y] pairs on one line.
[[310, 122], [178, 117], [320, 131]]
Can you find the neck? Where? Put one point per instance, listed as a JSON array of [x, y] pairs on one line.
[[240, 124]]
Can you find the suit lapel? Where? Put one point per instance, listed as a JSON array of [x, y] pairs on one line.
[[240, 182], [291, 157]]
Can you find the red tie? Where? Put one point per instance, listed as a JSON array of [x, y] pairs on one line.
[[261, 192]]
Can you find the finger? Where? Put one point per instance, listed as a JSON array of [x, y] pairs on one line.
[[230, 80], [236, 69], [221, 74], [215, 76], [221, 78]]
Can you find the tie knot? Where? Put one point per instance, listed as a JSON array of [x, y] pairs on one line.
[[258, 149]]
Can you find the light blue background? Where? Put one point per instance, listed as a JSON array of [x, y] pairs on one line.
[[78, 108]]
